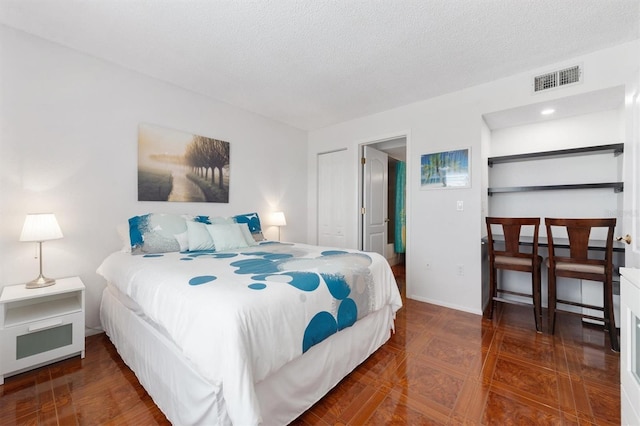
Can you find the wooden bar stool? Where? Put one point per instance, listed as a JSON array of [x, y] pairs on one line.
[[578, 264], [513, 259]]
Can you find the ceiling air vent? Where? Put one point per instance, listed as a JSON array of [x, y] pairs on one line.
[[558, 78]]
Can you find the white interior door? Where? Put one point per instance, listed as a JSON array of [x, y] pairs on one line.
[[332, 205], [631, 216], [375, 218]]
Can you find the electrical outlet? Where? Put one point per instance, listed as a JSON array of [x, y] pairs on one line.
[[460, 269], [460, 205]]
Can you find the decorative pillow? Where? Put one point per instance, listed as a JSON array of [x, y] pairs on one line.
[[201, 219], [257, 237], [219, 220], [198, 237], [183, 240], [209, 220], [155, 233], [123, 233], [253, 221], [247, 234], [227, 236]]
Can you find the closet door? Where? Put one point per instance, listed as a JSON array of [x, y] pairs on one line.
[[332, 205]]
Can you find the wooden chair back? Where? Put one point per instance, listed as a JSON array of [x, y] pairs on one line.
[[511, 230], [579, 233]]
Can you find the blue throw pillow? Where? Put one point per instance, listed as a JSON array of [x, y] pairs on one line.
[[253, 222], [156, 233]]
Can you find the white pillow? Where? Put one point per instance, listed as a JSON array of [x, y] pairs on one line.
[[198, 236], [248, 237], [227, 236], [123, 233], [183, 240]]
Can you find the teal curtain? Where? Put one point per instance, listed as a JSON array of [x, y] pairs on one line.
[[401, 220]]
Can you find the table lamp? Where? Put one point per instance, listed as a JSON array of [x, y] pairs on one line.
[[278, 219], [38, 228]]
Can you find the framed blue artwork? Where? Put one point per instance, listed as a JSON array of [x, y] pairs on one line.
[[445, 170]]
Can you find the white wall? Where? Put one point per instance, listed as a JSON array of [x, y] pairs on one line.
[[68, 145], [437, 233], [599, 128]]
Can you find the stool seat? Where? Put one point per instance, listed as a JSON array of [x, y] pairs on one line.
[[506, 260], [577, 267]]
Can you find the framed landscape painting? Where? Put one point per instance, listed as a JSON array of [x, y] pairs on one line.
[[447, 169], [180, 166]]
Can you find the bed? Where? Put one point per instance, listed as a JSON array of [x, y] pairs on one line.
[[256, 334]]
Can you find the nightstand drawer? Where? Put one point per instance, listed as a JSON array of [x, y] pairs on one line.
[[39, 342]]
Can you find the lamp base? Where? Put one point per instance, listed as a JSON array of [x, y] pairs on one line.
[[41, 281]]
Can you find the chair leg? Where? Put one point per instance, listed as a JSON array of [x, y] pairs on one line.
[[552, 302], [493, 291], [537, 296], [610, 319]]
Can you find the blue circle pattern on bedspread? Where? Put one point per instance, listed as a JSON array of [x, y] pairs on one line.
[[268, 264], [202, 279], [323, 324]]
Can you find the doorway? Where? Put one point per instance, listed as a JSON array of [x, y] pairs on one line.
[[382, 223]]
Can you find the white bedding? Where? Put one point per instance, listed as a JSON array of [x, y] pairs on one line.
[[239, 316]]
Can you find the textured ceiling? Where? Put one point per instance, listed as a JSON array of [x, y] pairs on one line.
[[312, 63]]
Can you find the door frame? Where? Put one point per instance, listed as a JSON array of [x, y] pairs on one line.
[[372, 141]]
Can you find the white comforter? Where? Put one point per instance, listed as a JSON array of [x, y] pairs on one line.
[[241, 315]]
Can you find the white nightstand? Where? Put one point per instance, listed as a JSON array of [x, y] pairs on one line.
[[40, 326]]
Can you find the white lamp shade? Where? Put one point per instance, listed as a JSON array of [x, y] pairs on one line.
[[278, 219], [40, 227]]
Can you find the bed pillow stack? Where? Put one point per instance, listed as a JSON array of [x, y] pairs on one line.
[[162, 233], [220, 234]]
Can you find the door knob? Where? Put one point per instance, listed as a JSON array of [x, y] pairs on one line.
[[626, 239]]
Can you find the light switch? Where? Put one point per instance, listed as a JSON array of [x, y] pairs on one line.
[[460, 206]]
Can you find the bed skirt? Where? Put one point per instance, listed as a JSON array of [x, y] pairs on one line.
[[186, 398]]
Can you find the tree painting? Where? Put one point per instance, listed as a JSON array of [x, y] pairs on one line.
[[179, 166], [448, 169]]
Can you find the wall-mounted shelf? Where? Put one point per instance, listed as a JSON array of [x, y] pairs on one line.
[[616, 186], [616, 149]]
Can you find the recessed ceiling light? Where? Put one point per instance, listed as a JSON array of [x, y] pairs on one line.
[[547, 111]]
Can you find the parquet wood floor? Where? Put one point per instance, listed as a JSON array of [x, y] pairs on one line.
[[442, 366]]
